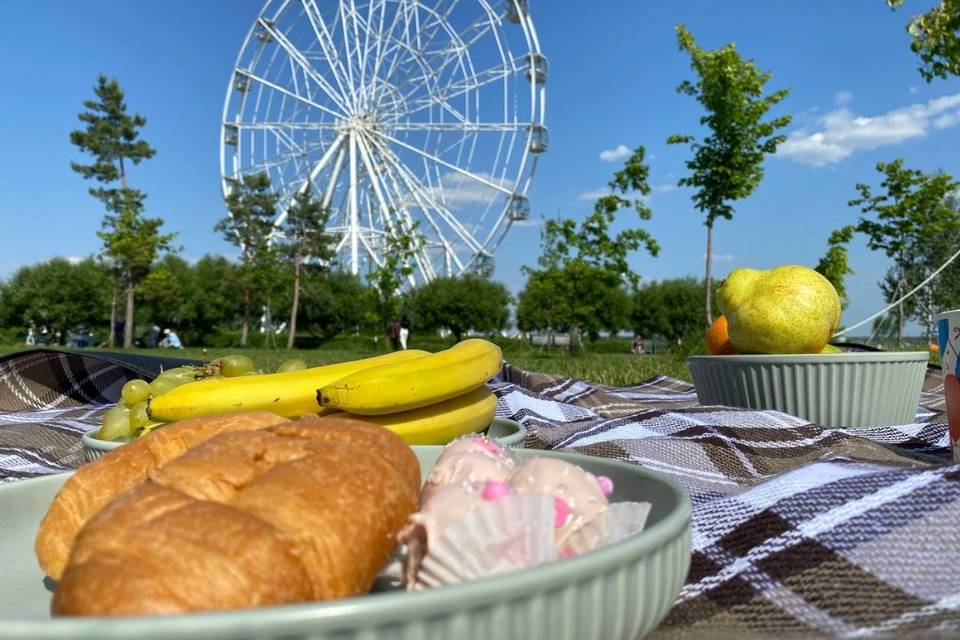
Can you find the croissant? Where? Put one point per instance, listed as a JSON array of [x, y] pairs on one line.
[[290, 513], [94, 485]]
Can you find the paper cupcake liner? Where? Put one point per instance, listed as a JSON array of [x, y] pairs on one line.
[[512, 533], [613, 524]]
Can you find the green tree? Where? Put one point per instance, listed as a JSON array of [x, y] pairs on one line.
[[397, 266], [935, 38], [727, 163], [333, 302], [669, 308], [305, 231], [583, 269], [834, 265], [573, 297], [462, 304], [909, 209], [252, 207], [58, 294], [130, 240]]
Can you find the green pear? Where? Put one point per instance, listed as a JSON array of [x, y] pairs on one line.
[[787, 309]]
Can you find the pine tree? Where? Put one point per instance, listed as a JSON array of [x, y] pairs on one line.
[[130, 240]]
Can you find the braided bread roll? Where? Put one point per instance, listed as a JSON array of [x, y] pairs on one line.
[[94, 485], [291, 513]]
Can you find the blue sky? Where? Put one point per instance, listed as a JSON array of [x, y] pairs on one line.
[[855, 95]]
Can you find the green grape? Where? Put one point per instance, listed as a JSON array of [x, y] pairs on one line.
[[235, 365], [161, 385], [116, 424], [139, 416], [181, 374], [135, 391], [294, 364]]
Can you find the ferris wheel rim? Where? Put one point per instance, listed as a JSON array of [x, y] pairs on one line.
[[368, 153]]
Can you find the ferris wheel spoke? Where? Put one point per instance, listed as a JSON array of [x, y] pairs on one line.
[[465, 127], [446, 164], [349, 55], [457, 89], [287, 92], [297, 56], [427, 200], [325, 40], [373, 178]]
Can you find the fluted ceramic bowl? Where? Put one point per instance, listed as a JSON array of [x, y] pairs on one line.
[[619, 592], [504, 431], [851, 389]]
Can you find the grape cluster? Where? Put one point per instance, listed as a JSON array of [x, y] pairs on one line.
[[131, 419]]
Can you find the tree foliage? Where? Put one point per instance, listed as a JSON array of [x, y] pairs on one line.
[[252, 207], [58, 294], [902, 218], [462, 304], [305, 233], [583, 270], [130, 241], [332, 302], [669, 308], [727, 163], [834, 265], [388, 279], [935, 37]]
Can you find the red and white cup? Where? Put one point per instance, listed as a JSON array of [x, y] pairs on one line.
[[948, 332]]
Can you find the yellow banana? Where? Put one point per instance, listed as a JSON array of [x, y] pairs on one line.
[[403, 386], [290, 394], [442, 422]]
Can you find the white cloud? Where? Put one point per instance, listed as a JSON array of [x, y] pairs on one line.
[[665, 188], [529, 222], [620, 152], [842, 97], [841, 132], [457, 190], [912, 90], [74, 259], [593, 195]]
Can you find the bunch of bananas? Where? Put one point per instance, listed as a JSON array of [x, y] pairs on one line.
[[425, 398]]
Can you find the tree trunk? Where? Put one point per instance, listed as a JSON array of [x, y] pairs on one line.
[[113, 315], [128, 320], [709, 274], [296, 302], [244, 328], [123, 175]]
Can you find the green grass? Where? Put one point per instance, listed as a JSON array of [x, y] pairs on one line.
[[604, 368]]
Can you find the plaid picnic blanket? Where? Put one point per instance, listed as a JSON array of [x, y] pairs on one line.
[[798, 531]]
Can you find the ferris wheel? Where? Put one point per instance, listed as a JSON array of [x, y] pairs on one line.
[[419, 117]]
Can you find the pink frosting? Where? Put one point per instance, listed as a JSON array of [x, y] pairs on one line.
[[445, 506], [569, 484], [470, 461]]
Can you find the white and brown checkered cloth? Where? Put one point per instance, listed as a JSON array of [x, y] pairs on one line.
[[798, 531]]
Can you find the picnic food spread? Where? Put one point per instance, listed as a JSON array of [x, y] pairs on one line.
[[787, 309], [483, 512], [425, 398], [252, 509], [294, 512]]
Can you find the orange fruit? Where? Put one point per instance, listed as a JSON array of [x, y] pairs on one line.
[[718, 340]]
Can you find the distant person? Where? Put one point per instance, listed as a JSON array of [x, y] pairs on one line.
[[171, 340], [393, 332], [31, 336], [153, 337], [638, 345], [404, 331]]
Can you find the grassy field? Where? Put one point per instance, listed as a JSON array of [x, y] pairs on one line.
[[606, 367]]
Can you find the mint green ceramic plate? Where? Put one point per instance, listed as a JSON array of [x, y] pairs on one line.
[[621, 591], [509, 433]]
